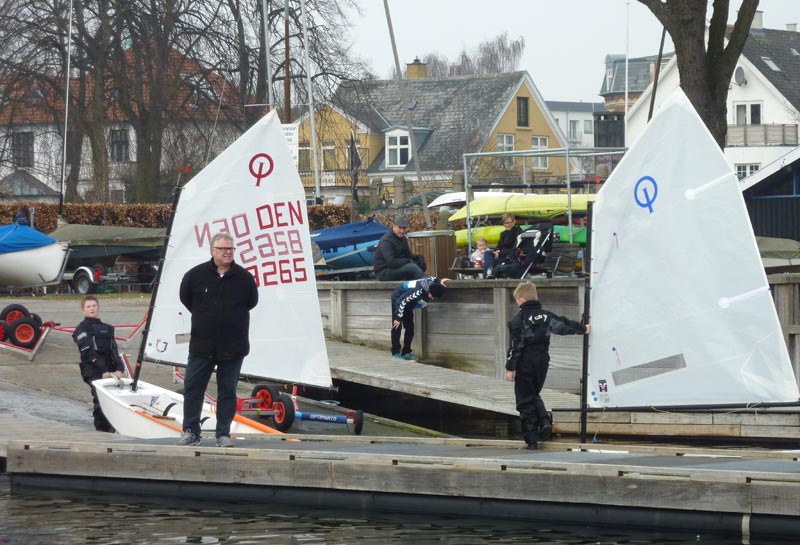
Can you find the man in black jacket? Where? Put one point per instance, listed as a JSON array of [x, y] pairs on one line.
[[219, 294], [99, 355], [393, 257]]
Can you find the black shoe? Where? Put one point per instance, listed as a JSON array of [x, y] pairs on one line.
[[530, 446], [546, 432]]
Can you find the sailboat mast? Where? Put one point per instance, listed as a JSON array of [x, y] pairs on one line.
[[310, 99], [66, 114]]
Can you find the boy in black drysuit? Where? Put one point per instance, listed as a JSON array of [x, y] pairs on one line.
[[405, 298], [529, 359], [99, 354]]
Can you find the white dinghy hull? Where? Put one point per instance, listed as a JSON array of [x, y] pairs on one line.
[[33, 267], [152, 412]]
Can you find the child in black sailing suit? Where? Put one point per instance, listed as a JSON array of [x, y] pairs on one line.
[[405, 298], [529, 359], [99, 354]]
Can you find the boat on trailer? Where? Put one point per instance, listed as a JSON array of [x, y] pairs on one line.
[[30, 258]]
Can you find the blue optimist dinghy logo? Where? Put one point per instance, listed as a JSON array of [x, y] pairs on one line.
[[645, 192]]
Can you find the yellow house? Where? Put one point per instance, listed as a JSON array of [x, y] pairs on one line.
[[451, 116]]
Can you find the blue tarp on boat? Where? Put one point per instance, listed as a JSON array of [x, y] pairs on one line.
[[16, 238], [348, 235]]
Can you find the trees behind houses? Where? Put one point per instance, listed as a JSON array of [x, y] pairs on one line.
[[706, 68], [186, 75]]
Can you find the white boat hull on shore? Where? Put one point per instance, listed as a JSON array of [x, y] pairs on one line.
[[152, 412], [33, 267]]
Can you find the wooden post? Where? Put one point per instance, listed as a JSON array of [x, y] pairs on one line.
[[500, 298], [339, 313]]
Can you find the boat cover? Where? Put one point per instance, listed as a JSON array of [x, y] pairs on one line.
[[16, 238], [349, 234]]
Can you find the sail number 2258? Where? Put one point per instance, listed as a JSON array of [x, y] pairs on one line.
[[274, 257]]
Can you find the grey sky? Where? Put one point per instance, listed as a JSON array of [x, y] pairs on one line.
[[566, 41]]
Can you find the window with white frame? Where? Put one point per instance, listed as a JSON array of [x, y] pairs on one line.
[[745, 170], [574, 130], [522, 112], [397, 150], [540, 143], [120, 148], [748, 114], [303, 156], [588, 127], [22, 149], [328, 156], [505, 142]]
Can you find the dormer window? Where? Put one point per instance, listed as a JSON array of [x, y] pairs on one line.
[[397, 149]]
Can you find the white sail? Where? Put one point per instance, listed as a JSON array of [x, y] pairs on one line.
[[251, 190], [681, 310]]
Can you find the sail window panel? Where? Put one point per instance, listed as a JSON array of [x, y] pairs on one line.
[[120, 146], [22, 149], [397, 150], [328, 156], [505, 142], [522, 112], [540, 143]]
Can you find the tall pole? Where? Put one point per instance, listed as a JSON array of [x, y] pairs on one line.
[[267, 64], [66, 115], [310, 99], [407, 112], [627, 40], [287, 86]]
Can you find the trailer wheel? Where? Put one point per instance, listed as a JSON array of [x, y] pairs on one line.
[[12, 313], [4, 329], [82, 283], [24, 333], [266, 395], [37, 319], [284, 412], [358, 422]]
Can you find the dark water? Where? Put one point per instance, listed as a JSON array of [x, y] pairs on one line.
[[65, 518]]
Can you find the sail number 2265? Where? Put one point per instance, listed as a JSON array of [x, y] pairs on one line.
[[274, 257]]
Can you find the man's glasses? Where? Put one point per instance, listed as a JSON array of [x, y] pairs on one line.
[[224, 249]]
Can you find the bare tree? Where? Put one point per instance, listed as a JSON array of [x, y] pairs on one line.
[[706, 70]]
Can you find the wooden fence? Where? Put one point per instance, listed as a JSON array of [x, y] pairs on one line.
[[466, 330]]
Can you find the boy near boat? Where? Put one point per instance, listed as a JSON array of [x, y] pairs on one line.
[[529, 359], [99, 354]]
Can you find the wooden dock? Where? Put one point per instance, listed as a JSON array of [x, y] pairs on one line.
[[742, 492]]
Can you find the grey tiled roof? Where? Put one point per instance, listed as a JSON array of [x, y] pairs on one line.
[[457, 113], [638, 73], [559, 106], [776, 45]]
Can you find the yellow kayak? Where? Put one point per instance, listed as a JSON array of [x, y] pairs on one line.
[[538, 206]]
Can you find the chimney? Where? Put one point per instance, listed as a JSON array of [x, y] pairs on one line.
[[416, 70], [758, 21], [791, 27]]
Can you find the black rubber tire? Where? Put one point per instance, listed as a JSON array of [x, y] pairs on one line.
[[16, 312], [267, 394], [36, 318], [284, 412], [82, 283], [4, 329], [24, 333], [358, 422]]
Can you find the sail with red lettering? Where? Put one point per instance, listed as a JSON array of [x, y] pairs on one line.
[[251, 190]]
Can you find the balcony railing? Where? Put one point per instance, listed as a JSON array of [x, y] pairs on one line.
[[761, 135], [333, 178]]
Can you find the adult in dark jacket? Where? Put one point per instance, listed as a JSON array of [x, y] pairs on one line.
[[393, 257], [219, 294], [501, 260], [529, 359], [99, 355]]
